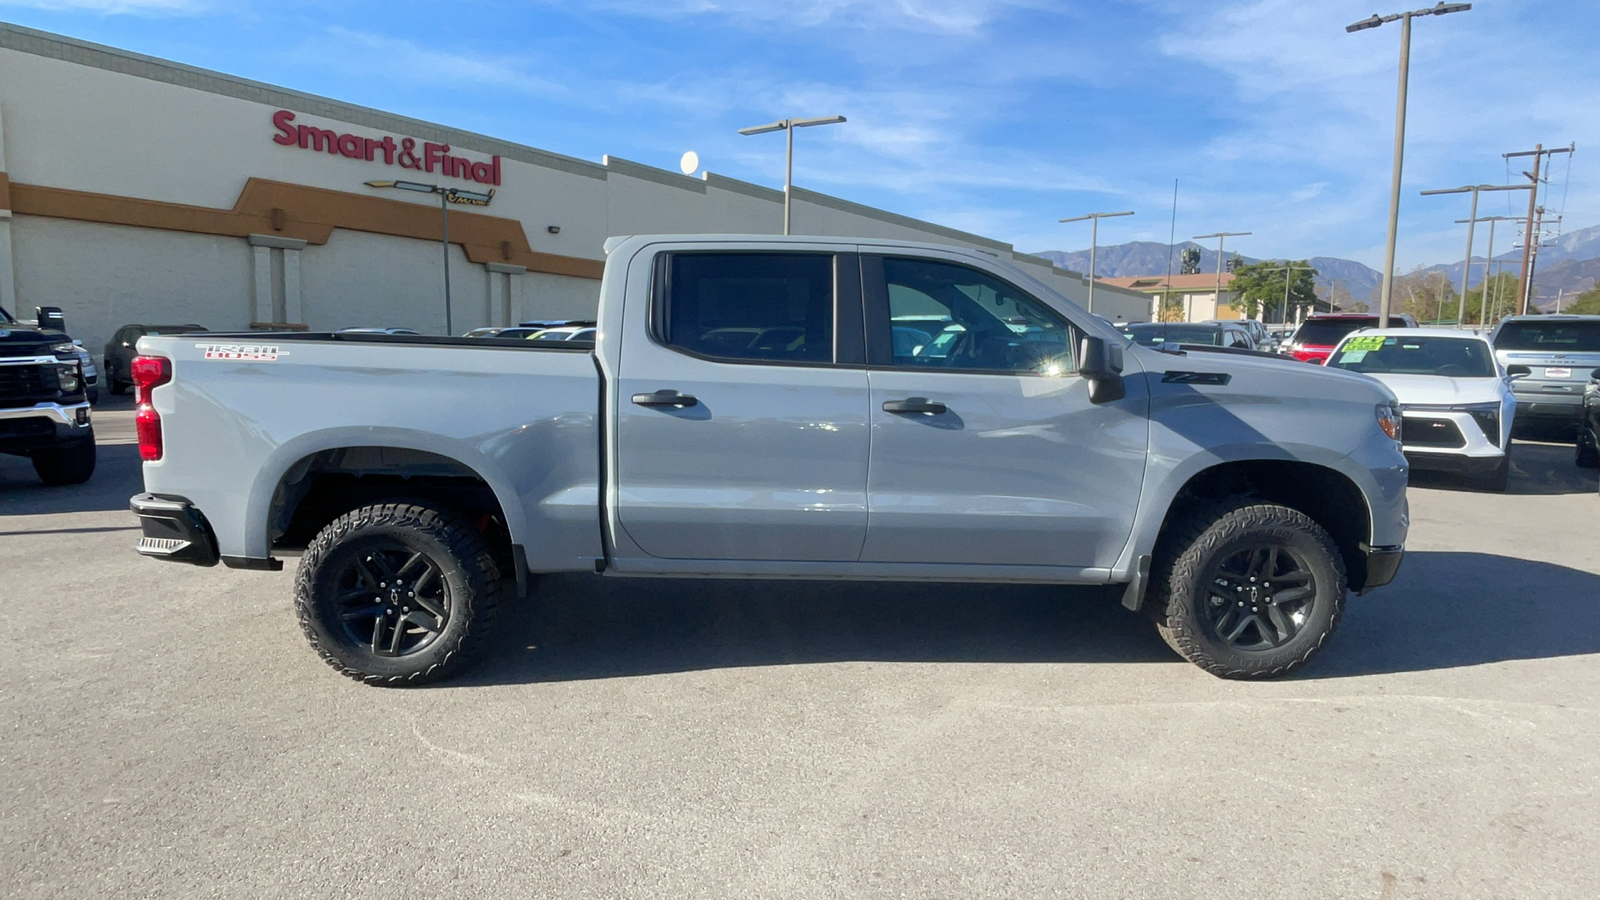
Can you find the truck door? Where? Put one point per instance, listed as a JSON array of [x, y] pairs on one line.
[[742, 419], [985, 447]]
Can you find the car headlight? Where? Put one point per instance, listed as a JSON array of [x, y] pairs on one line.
[[1389, 420], [66, 351], [67, 377]]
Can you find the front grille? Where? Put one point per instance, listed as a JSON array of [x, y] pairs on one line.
[[1421, 432], [27, 385], [32, 426]]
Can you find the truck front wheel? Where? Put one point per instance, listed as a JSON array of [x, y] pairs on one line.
[[1247, 589], [71, 463], [396, 594]]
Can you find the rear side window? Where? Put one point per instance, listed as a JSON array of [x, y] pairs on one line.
[[1555, 337], [774, 307]]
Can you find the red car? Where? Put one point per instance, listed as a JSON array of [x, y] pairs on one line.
[[1317, 336]]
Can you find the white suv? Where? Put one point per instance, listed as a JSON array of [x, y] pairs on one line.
[[1456, 404]]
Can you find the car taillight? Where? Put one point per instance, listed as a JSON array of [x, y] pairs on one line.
[[148, 373]]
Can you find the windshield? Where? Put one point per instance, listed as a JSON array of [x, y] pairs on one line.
[[1555, 337], [1327, 332], [1449, 357], [5, 316], [1153, 334]]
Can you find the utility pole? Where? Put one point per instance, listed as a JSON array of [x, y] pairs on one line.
[[1220, 236], [1472, 219], [1524, 285], [1404, 18], [1094, 242], [1488, 261]]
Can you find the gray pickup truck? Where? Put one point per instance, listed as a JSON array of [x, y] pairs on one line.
[[762, 408]]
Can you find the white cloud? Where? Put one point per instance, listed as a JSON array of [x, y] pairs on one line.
[[937, 16], [402, 59]]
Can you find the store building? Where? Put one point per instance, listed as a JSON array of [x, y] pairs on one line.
[[134, 189], [1187, 298]]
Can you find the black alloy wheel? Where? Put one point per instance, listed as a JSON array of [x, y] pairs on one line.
[[397, 593], [1246, 589], [1260, 597], [392, 599]]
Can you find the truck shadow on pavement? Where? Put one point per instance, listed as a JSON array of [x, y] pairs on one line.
[[1535, 469], [117, 477], [1446, 610]]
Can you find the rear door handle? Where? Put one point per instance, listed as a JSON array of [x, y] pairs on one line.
[[665, 398], [919, 405]]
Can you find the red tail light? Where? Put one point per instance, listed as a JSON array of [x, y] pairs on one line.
[[148, 373]]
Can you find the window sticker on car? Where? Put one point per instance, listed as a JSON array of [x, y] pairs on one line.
[[1365, 342], [242, 352], [1353, 356]]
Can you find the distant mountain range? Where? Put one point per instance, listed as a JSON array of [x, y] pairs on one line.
[[1567, 265]]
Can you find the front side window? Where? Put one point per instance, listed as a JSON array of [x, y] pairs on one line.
[[773, 307], [948, 316]]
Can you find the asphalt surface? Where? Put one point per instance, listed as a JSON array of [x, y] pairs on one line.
[[166, 732]]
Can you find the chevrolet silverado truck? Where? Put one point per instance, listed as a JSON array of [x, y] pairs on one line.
[[775, 408], [44, 402]]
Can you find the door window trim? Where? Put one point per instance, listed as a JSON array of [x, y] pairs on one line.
[[880, 333], [849, 321]]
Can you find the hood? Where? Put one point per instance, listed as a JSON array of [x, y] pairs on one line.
[[1281, 376], [1438, 390], [17, 339]]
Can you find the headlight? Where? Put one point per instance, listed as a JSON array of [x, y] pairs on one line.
[[1389, 420], [67, 376], [1487, 415], [65, 351]]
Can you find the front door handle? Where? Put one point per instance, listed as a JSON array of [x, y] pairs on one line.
[[665, 398], [919, 405]]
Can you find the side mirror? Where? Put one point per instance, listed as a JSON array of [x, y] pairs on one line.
[[50, 317], [1100, 364], [1518, 371]]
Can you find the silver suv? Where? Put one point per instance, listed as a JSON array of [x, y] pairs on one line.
[[1558, 353]]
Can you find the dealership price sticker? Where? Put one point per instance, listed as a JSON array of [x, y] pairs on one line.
[[1364, 343]]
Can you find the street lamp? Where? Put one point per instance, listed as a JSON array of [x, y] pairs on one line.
[[1094, 242], [1488, 260], [1287, 282], [1220, 236], [789, 125], [1399, 131], [447, 195], [1472, 219]]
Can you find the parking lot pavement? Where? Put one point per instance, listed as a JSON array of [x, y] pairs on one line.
[[167, 733]]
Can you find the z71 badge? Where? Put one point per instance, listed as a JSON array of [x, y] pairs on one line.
[[242, 352]]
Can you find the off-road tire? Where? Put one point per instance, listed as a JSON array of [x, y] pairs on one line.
[[1203, 537], [466, 566], [71, 463], [1588, 454]]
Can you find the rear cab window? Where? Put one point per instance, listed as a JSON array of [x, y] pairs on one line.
[[747, 306], [1553, 337]]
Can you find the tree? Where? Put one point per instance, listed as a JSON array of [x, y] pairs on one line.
[[1501, 289], [1171, 309], [1587, 304], [1426, 295], [1260, 287]]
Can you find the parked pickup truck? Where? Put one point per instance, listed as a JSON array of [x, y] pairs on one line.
[[765, 407], [44, 400]]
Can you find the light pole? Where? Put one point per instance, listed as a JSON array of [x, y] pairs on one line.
[[447, 195], [1488, 260], [1094, 242], [1399, 131], [1220, 236], [1472, 219], [1287, 282], [789, 125]]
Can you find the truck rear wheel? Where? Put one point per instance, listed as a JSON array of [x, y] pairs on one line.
[[396, 594], [71, 463], [1247, 589]]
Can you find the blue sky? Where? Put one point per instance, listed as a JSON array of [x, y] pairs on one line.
[[994, 116]]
